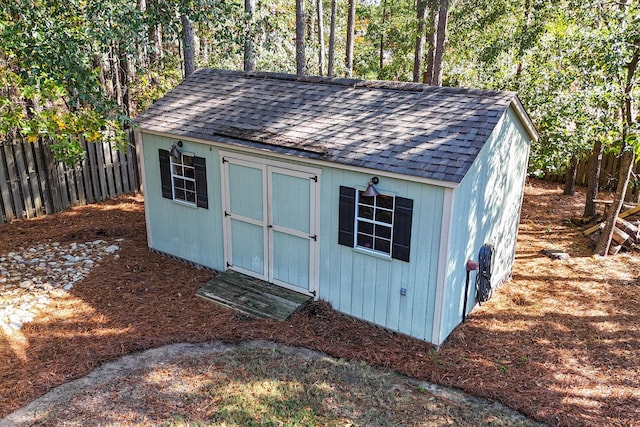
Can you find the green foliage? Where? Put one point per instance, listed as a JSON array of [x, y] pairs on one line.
[[393, 24], [567, 60], [48, 49]]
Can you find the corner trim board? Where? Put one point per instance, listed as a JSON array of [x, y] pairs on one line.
[[441, 281]]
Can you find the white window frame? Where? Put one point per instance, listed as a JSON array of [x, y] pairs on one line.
[[374, 223], [180, 174]]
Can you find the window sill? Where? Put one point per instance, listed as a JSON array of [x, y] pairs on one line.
[[185, 204], [372, 253]]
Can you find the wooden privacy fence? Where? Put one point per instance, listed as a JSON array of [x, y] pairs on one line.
[[609, 170], [33, 183]]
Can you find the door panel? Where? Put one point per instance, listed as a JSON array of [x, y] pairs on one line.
[[290, 260], [290, 243], [246, 218], [247, 247], [290, 201], [246, 191]]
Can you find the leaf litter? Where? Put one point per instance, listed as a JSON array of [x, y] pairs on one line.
[[559, 342]]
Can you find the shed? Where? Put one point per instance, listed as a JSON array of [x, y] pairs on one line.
[[270, 176]]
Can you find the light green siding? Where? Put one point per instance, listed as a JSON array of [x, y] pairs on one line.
[[194, 234], [368, 286], [486, 209]]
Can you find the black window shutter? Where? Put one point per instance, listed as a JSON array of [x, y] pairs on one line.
[[202, 200], [403, 214], [346, 216], [165, 174]]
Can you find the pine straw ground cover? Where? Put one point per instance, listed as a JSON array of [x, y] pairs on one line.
[[559, 343]]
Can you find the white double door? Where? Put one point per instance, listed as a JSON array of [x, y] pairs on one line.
[[270, 222]]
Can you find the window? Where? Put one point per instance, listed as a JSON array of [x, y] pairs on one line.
[[184, 179], [374, 222], [381, 224]]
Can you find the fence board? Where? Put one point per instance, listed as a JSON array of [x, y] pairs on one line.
[[108, 163], [70, 176], [21, 167], [33, 177], [42, 177], [92, 159], [14, 182], [117, 175], [62, 185], [52, 178], [100, 161], [122, 160], [5, 190], [86, 174], [132, 162]]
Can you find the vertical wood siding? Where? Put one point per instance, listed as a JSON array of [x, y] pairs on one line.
[[187, 232], [33, 183], [368, 286], [486, 209]]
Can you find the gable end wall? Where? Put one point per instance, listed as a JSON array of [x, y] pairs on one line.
[[486, 209]]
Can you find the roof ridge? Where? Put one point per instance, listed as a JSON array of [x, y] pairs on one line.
[[357, 83]]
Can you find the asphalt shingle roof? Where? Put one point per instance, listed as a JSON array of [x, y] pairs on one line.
[[406, 128]]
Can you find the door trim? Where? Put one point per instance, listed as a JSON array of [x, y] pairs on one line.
[[268, 166]]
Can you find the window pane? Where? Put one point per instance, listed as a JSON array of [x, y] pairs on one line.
[[384, 201], [365, 212], [383, 245], [382, 231], [187, 160], [365, 200], [189, 172], [191, 197], [190, 185], [177, 169], [365, 227], [365, 241], [178, 182], [383, 216], [180, 194]]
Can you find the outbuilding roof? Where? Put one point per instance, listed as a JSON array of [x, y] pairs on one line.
[[406, 128]]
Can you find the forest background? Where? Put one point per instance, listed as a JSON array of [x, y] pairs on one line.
[[83, 69]]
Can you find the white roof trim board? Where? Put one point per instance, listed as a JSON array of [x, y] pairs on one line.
[[404, 128]]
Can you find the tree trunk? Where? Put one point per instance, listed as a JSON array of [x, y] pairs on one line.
[[431, 42], [332, 38], [628, 155], [204, 48], [570, 177], [523, 38], [114, 63], [594, 179], [421, 15], [320, 37], [123, 69], [154, 40], [188, 46], [381, 50], [300, 24], [249, 54], [351, 22], [143, 59], [441, 35], [310, 22], [626, 165]]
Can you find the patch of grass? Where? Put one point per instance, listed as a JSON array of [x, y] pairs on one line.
[[277, 387]]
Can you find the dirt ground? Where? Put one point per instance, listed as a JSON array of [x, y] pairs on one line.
[[559, 343], [255, 383]]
